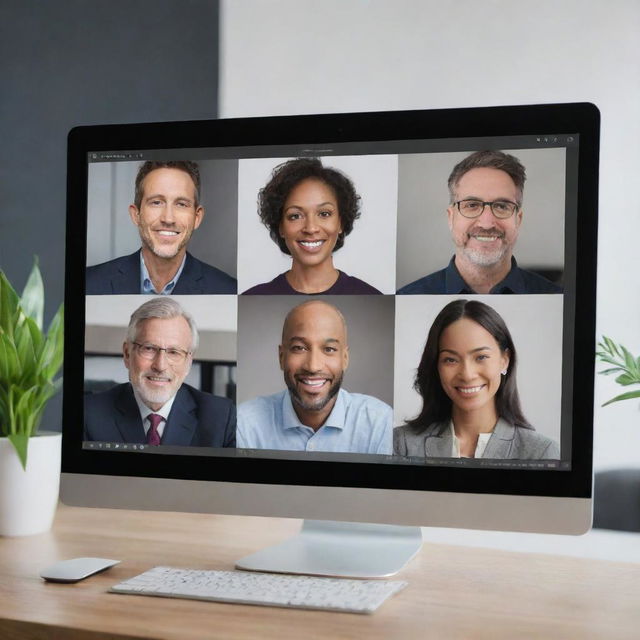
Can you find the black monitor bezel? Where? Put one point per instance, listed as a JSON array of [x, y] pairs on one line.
[[575, 118]]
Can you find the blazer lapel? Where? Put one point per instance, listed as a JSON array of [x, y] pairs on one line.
[[189, 281], [183, 420], [501, 441], [127, 277], [127, 417], [438, 442]]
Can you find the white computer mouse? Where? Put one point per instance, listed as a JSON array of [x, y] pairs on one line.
[[76, 569]]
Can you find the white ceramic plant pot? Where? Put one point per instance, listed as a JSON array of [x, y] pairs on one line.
[[28, 498]]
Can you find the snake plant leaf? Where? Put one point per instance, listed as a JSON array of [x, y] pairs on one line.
[[32, 300]]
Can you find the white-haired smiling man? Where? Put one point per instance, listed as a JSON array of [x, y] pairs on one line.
[[156, 407]]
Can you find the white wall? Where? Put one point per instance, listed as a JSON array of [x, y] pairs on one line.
[[305, 56]]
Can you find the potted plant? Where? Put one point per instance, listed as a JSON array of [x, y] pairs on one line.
[[624, 364], [30, 359]]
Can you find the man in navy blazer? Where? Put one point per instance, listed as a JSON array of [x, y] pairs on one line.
[[122, 275], [156, 407], [166, 211]]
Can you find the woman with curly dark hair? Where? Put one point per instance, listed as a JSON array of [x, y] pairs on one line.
[[309, 209], [467, 380]]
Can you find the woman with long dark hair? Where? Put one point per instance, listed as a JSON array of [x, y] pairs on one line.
[[467, 380], [309, 209]]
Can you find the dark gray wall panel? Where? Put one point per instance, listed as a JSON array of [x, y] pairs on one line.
[[81, 62]]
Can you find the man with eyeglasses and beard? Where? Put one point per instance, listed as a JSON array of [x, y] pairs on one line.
[[156, 407], [484, 215], [315, 413]]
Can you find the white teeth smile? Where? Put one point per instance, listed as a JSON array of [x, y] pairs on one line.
[[312, 245], [486, 238], [167, 233], [157, 379], [470, 389], [313, 382]]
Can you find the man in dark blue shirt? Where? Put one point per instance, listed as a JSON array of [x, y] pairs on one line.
[[484, 215]]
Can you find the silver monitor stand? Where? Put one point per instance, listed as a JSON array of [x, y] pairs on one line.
[[339, 549]]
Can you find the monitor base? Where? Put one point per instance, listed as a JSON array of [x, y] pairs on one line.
[[340, 549]]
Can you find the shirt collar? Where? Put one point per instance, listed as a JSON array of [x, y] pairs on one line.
[[335, 419], [512, 283], [146, 286]]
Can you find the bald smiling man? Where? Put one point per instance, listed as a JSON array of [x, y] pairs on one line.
[[315, 413]]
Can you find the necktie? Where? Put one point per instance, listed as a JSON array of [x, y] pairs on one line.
[[153, 437]]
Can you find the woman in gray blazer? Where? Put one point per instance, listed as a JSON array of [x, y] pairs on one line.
[[467, 380]]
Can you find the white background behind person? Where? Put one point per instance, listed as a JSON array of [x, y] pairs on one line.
[[535, 324], [369, 250]]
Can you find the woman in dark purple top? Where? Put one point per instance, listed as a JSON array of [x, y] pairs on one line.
[[309, 209]]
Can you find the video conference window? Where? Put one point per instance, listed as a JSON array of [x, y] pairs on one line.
[[312, 220], [308, 377], [493, 222], [350, 304], [155, 398], [489, 384], [162, 226]]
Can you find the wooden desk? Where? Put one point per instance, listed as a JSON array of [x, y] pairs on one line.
[[454, 592]]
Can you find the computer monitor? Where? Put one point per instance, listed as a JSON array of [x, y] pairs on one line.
[[420, 215]]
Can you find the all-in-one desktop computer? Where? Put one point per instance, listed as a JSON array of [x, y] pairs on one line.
[[405, 224]]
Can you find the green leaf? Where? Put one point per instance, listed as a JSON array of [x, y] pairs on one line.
[[32, 300], [53, 350], [624, 396], [8, 305], [9, 356], [608, 360], [626, 379], [607, 372], [611, 346], [629, 361], [20, 442], [29, 360], [27, 411], [25, 351]]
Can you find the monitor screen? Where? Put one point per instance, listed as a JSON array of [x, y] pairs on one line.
[[399, 301]]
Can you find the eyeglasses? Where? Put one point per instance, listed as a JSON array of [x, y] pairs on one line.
[[151, 351], [501, 209]]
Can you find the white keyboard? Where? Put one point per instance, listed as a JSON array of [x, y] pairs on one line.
[[275, 590]]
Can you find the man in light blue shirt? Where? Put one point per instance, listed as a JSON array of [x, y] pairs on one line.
[[314, 413]]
